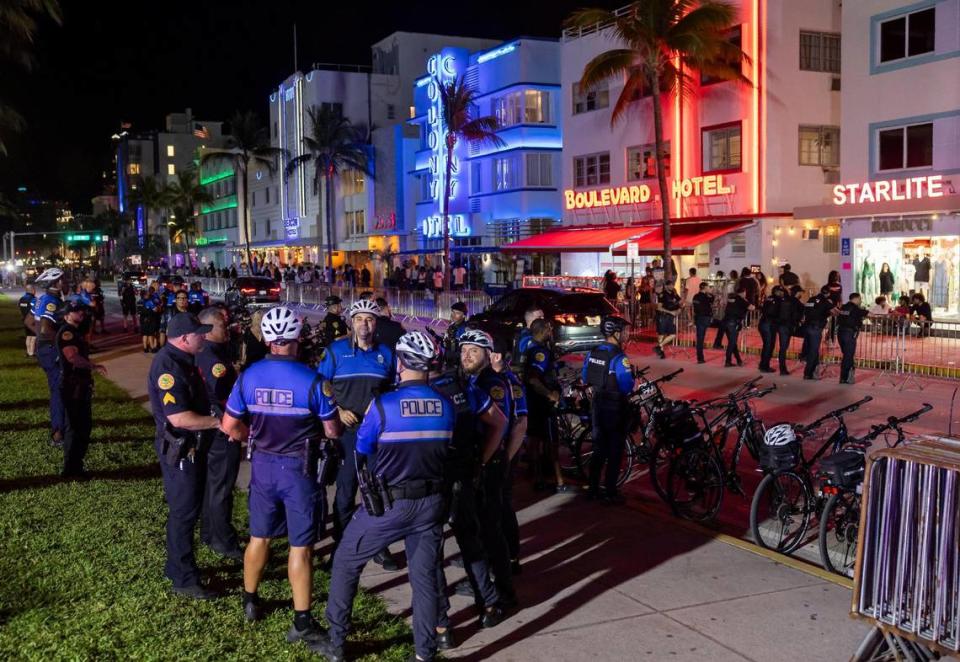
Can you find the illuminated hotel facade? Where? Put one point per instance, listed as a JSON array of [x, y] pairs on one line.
[[741, 155]]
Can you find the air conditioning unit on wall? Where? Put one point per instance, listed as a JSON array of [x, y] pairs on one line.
[[813, 234]]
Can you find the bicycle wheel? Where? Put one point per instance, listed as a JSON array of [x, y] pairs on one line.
[[839, 525], [780, 512], [569, 430], [658, 464], [626, 462], [695, 484], [582, 452]]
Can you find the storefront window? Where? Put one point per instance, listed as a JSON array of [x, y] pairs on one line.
[[902, 266]]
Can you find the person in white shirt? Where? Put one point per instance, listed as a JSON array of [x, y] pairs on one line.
[[459, 276], [880, 306], [691, 286]]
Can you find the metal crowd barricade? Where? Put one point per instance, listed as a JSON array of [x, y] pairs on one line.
[[412, 303]]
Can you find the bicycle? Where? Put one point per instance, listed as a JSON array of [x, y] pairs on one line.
[[785, 499], [842, 479]]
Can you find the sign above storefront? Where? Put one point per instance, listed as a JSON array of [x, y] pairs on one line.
[[386, 222], [898, 225], [707, 185], [890, 190]]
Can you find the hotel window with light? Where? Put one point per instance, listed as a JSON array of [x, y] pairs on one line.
[[642, 162], [171, 169], [506, 173], [591, 169], [820, 146], [908, 35], [593, 99], [133, 169], [352, 182], [170, 150], [819, 51], [355, 222], [721, 148], [905, 147], [539, 170], [523, 107]]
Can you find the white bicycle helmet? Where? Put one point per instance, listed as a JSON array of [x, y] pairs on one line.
[[780, 435], [50, 275], [416, 350], [280, 323], [478, 338], [364, 306]]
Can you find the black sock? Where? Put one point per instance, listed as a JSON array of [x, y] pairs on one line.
[[302, 619], [250, 597]]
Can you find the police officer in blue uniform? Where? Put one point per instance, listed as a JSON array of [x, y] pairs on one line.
[[46, 319], [458, 324], [543, 393], [408, 432], [181, 410], [849, 321], [197, 298], [358, 370], [607, 370], [221, 455], [523, 337], [475, 349], [26, 304], [815, 315], [277, 406]]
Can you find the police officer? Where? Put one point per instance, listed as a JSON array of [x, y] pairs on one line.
[[76, 388], [333, 325], [221, 455], [703, 316], [388, 329], [815, 315], [277, 407], [788, 321], [543, 393], [734, 314], [181, 409], [46, 319], [458, 324], [150, 309], [358, 370], [607, 370], [25, 304], [168, 299], [409, 432], [768, 325], [849, 321], [475, 349], [524, 337], [197, 298], [128, 305], [668, 307]]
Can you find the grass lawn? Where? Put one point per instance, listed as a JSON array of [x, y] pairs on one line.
[[81, 564]]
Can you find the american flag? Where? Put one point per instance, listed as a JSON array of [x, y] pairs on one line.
[[200, 131]]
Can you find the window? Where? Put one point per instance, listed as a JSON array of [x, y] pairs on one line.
[[738, 243], [523, 107], [253, 199], [424, 188], [592, 169], [539, 170], [831, 239], [475, 183], [133, 169], [721, 148], [170, 150], [907, 36], [587, 100], [642, 162], [413, 112], [352, 182], [506, 173], [734, 37], [266, 192], [819, 51], [820, 145], [906, 147], [171, 169], [268, 229], [355, 222], [391, 111]]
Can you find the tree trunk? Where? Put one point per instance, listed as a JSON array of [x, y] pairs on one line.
[[328, 175], [246, 214], [448, 175], [662, 175]]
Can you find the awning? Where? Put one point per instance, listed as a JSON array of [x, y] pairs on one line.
[[684, 237], [576, 240]]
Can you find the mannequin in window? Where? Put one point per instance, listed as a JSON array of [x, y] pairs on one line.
[[940, 289], [867, 283], [921, 276], [906, 277]]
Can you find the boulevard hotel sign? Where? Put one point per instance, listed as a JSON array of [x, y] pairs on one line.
[[708, 185]]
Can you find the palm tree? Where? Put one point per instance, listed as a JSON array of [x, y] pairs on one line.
[[247, 145], [656, 36], [458, 107], [151, 196], [187, 195], [333, 145]]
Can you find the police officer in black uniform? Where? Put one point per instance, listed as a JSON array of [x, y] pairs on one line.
[[703, 316], [733, 317], [849, 321], [768, 325], [458, 324], [668, 307], [388, 330], [221, 455], [815, 315], [25, 304], [181, 410], [333, 325], [788, 321], [76, 388]]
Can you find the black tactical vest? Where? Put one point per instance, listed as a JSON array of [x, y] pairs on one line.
[[599, 377]]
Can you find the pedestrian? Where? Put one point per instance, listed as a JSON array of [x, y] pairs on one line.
[[787, 277], [692, 286], [214, 361], [734, 315], [149, 311], [47, 317], [816, 313], [128, 306], [542, 388], [358, 369], [749, 285], [702, 315], [333, 326], [608, 372], [197, 298], [611, 288], [881, 306], [668, 308], [401, 446], [438, 280], [181, 410], [788, 323], [284, 447], [388, 329], [849, 322], [459, 276], [768, 325], [26, 304], [458, 324], [76, 389]]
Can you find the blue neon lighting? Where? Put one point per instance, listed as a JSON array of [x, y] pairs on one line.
[[423, 82], [497, 52]]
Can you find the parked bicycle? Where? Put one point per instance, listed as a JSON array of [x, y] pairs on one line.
[[841, 477]]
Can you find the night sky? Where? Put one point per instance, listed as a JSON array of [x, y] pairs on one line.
[[138, 61]]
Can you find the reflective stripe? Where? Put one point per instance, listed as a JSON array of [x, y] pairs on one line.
[[375, 375], [280, 411], [233, 412], [417, 434]]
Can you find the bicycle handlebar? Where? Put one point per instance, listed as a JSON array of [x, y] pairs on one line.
[[893, 423], [836, 413]]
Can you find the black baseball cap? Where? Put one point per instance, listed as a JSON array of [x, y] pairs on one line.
[[75, 306], [183, 323], [333, 300], [461, 306]]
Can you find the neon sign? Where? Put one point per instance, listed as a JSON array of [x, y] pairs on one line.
[[388, 223], [497, 52], [442, 71], [433, 226], [913, 188], [708, 185]]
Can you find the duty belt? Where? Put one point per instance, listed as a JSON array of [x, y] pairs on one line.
[[416, 489]]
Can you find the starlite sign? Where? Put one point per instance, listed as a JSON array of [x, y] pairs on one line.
[[707, 185], [889, 190]]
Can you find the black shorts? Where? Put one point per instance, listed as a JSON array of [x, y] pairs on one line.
[[128, 308], [666, 324]]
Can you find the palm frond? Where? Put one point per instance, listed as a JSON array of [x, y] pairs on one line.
[[609, 64]]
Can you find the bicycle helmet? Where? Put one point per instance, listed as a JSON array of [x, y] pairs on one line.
[[416, 350], [50, 275], [780, 434], [364, 306], [612, 324], [478, 338], [436, 365], [280, 323]]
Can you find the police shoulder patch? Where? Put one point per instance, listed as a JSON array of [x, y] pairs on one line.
[[166, 381], [218, 370], [51, 307], [496, 393], [67, 335], [323, 354], [517, 391], [539, 356], [327, 389], [626, 362]]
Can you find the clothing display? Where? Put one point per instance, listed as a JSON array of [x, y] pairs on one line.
[[940, 290], [867, 283], [921, 270], [917, 265], [906, 278], [886, 279]]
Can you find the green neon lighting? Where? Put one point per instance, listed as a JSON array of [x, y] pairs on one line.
[[216, 177], [229, 202]]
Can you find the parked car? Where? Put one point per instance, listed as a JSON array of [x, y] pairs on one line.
[[575, 314], [136, 278], [252, 291]]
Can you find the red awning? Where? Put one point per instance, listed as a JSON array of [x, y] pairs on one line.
[[684, 237], [576, 240]]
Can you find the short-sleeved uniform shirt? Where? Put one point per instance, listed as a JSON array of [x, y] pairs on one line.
[[518, 395], [283, 402], [357, 374], [25, 304], [217, 372], [410, 431], [174, 386], [491, 383], [70, 336], [851, 316], [539, 364], [49, 307]]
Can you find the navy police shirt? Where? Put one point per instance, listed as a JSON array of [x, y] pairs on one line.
[[217, 372], [174, 386], [618, 367], [493, 384], [357, 374]]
